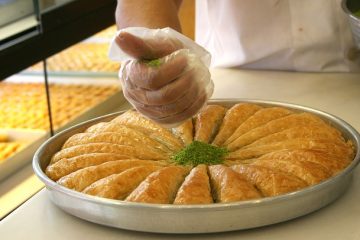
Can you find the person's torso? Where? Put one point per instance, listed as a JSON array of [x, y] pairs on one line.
[[300, 35]]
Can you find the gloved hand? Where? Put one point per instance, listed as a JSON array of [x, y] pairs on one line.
[[165, 81]]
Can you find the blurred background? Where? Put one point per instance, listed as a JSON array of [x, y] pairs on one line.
[[54, 73]]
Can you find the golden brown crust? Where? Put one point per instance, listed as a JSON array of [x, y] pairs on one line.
[[335, 148], [134, 119], [66, 166], [131, 133], [332, 163], [107, 148], [119, 186], [234, 117], [274, 126], [259, 118], [270, 182], [160, 186], [312, 173], [315, 132], [185, 132], [108, 137], [207, 122], [229, 186], [98, 127], [232, 162], [196, 188], [272, 151], [82, 178]]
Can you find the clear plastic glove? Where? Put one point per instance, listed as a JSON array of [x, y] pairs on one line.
[[164, 76]]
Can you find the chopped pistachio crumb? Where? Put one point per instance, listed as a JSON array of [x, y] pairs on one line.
[[154, 63], [200, 153]]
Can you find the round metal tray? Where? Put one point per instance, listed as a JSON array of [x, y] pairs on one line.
[[167, 218]]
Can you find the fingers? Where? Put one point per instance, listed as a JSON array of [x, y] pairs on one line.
[[169, 91], [168, 94], [154, 77], [196, 105], [184, 107], [146, 48], [165, 110]]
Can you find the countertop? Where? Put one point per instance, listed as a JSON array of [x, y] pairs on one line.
[[335, 93]]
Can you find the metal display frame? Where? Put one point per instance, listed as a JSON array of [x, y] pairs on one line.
[[60, 27]]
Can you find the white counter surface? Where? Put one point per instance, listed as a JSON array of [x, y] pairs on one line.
[[338, 94]]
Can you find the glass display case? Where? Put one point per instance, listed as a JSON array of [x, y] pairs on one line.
[[19, 20], [52, 20], [45, 5], [81, 83], [54, 75], [36, 102], [88, 58]]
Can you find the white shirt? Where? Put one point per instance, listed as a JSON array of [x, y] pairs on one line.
[[300, 35]]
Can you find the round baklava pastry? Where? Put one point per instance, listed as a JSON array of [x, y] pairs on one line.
[[222, 155]]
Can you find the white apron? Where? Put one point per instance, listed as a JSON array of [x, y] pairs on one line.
[[298, 35]]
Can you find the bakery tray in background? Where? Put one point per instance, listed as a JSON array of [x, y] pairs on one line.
[[88, 59], [27, 142], [23, 100], [24, 116]]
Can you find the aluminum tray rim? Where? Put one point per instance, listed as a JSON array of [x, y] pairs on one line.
[[49, 183], [218, 206]]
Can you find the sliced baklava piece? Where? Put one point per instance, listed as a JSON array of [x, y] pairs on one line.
[[259, 118], [98, 127], [160, 186], [207, 123], [82, 178], [332, 163], [134, 119], [311, 131], [335, 148], [232, 162], [128, 132], [108, 137], [121, 138], [269, 181], [66, 166], [196, 188], [185, 131], [119, 186], [234, 117], [277, 125], [312, 173], [130, 151], [229, 186]]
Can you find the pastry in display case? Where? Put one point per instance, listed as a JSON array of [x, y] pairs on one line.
[[33, 31], [8, 147], [16, 148], [24, 106], [82, 84], [87, 58], [24, 117]]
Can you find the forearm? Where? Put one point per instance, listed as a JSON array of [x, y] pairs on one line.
[[148, 13]]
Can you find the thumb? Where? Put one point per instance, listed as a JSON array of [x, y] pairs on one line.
[[146, 49]]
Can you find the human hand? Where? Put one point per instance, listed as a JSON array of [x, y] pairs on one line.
[[165, 82]]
